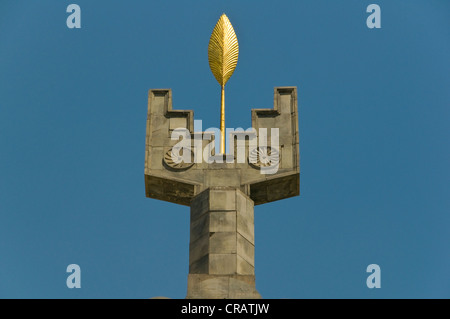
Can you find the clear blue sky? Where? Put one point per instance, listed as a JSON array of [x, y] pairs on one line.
[[374, 110]]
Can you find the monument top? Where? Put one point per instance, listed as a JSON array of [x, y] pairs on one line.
[[222, 193]]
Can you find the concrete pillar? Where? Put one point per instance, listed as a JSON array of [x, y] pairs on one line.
[[222, 245]]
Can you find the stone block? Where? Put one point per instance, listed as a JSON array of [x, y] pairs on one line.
[[287, 140], [246, 229], [242, 287], [222, 177], [157, 102], [241, 202], [222, 264], [169, 190], [277, 188], [159, 123], [222, 221], [156, 155], [160, 138], [245, 217], [246, 249], [199, 248], [200, 266], [280, 187], [199, 205], [286, 103], [286, 157], [244, 267], [205, 286], [250, 210], [222, 243], [199, 227], [221, 200], [177, 122], [284, 123]]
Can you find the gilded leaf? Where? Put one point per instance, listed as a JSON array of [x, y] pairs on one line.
[[223, 50]]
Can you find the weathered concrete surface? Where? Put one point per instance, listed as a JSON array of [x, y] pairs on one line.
[[203, 286]]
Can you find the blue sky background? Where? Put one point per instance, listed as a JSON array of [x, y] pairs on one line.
[[374, 110]]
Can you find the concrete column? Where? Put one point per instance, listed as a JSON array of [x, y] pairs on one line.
[[222, 245]]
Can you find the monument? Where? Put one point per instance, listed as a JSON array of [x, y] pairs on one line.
[[222, 188]]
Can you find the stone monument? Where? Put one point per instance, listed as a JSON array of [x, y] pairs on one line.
[[222, 190]]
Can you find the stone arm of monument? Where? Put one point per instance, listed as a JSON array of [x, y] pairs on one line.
[[179, 184], [286, 181], [161, 180]]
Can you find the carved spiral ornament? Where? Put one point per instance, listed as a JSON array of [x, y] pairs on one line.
[[174, 159], [263, 156]]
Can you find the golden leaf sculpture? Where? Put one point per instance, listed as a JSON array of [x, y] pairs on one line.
[[223, 52]]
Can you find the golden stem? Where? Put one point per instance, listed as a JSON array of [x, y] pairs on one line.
[[222, 121]]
